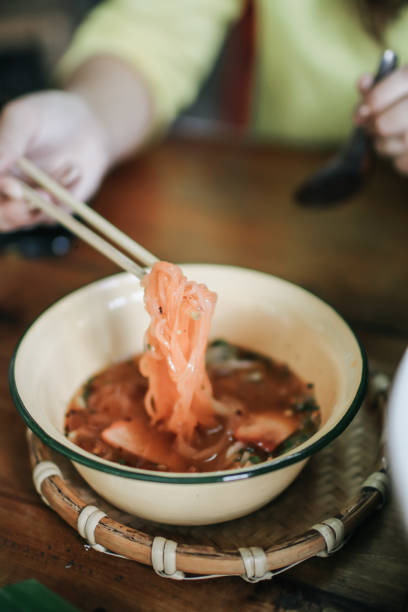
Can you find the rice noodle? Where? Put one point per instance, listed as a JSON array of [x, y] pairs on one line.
[[179, 397]]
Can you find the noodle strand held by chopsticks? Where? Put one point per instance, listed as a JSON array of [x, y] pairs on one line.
[[179, 397]]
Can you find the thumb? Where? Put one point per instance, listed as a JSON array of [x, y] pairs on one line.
[[365, 83], [15, 133]]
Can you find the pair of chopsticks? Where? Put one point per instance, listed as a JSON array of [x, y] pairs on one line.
[[93, 219]]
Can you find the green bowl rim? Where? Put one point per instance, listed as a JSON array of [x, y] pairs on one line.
[[203, 477]]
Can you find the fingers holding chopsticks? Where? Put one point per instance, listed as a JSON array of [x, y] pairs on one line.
[[59, 133], [51, 165], [15, 211]]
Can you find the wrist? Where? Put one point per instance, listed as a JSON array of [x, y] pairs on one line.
[[95, 128], [118, 101]]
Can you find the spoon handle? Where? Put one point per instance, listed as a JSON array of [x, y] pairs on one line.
[[388, 63], [359, 146]]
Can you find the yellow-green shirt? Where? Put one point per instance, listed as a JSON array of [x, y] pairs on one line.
[[309, 54]]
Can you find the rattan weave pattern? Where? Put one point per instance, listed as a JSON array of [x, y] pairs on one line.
[[329, 480]]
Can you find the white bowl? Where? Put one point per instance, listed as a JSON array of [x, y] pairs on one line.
[[397, 427], [105, 322]]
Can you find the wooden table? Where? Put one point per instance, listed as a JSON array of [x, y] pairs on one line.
[[227, 203]]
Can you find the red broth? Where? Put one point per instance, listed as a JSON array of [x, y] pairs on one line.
[[263, 409]]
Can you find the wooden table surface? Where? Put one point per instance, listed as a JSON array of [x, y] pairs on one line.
[[219, 203]]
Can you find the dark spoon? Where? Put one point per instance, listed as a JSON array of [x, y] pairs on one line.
[[343, 176]]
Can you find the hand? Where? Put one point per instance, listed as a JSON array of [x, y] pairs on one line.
[[58, 131], [384, 111]]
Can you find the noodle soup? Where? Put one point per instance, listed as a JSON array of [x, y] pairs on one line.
[[104, 323], [261, 409]]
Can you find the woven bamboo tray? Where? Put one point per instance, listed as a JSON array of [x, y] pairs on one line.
[[338, 489]]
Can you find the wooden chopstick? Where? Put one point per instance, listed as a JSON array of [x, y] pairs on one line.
[[91, 217], [76, 227]]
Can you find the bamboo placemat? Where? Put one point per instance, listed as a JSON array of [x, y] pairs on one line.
[[338, 489]]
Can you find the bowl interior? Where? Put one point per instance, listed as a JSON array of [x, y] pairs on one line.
[[105, 322]]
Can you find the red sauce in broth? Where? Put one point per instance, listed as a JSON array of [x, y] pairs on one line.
[[263, 409]]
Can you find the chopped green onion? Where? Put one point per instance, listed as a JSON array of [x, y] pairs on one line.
[[88, 388], [255, 459]]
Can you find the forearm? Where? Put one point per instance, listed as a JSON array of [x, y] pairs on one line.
[[119, 100]]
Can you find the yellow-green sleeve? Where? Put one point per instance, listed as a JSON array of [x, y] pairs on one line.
[[170, 43]]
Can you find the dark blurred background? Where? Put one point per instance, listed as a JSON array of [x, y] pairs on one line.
[[44, 25]]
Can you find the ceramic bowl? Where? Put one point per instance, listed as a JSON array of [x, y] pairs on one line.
[[397, 427], [105, 322]]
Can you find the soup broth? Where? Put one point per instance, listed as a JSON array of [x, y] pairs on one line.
[[262, 410]]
